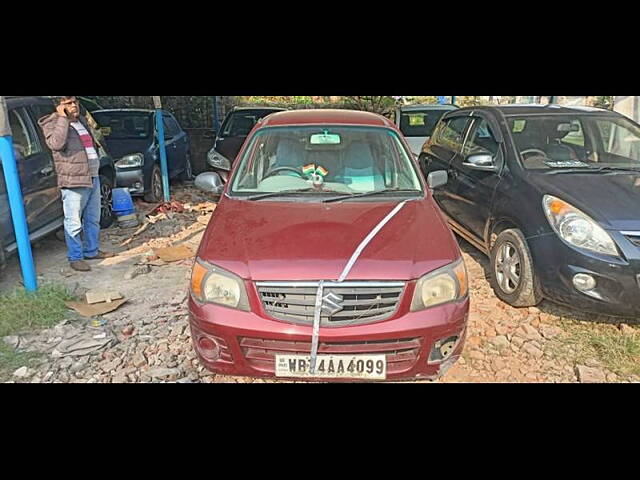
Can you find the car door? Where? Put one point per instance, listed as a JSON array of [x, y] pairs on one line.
[[475, 174], [181, 142], [36, 170], [171, 142], [445, 146]]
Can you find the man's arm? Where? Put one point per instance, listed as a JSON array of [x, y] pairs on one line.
[[56, 133]]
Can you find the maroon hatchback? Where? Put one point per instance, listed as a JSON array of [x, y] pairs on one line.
[[327, 257]]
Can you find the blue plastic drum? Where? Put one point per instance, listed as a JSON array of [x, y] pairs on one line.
[[122, 202]]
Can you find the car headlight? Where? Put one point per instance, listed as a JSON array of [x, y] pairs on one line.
[[218, 161], [446, 284], [129, 161], [577, 228], [211, 284]]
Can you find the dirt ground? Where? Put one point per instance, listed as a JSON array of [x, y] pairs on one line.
[[150, 337]]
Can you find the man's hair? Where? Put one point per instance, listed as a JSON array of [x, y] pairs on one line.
[[59, 100]]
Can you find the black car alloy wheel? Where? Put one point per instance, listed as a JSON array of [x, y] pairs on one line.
[[106, 206]]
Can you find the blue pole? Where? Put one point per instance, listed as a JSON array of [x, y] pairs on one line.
[[16, 205], [163, 155]]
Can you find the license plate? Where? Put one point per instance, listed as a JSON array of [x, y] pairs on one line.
[[370, 367]]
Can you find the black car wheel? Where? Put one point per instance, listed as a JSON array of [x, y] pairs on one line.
[[155, 193], [513, 277], [106, 197], [187, 174]]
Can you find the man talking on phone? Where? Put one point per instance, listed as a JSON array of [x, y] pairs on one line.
[[77, 164]]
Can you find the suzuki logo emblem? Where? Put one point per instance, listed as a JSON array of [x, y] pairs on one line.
[[332, 303]]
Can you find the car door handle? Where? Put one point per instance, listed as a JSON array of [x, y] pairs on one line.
[[46, 171]]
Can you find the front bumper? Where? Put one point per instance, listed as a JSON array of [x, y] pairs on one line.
[[617, 279], [248, 341], [131, 178]]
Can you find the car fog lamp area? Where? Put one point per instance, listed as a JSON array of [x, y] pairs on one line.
[[443, 349], [447, 284], [209, 348], [576, 228], [211, 284], [584, 282]]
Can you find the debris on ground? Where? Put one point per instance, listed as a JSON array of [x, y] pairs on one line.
[[136, 271], [174, 254], [99, 296], [96, 309]]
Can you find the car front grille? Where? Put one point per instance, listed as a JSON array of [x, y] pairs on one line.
[[401, 354], [347, 303]]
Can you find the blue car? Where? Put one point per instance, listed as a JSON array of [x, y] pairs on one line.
[[132, 140]]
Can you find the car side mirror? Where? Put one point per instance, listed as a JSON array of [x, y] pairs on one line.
[[210, 182], [437, 179], [480, 161]]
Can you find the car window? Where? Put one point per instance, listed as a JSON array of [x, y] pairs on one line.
[[618, 139], [171, 126], [123, 125], [24, 139], [451, 133], [331, 158], [40, 110], [481, 139], [239, 124], [419, 123], [575, 136]]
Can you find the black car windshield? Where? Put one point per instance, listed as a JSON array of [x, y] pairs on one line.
[[313, 161], [241, 122], [124, 125], [419, 123], [575, 142]]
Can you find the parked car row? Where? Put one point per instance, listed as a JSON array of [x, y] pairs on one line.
[[43, 206], [329, 254]]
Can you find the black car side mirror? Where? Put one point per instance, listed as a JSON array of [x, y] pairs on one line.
[[480, 161], [437, 179]]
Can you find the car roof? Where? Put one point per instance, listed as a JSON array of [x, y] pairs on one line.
[[429, 106], [272, 109], [139, 110], [537, 109], [325, 116], [28, 99]]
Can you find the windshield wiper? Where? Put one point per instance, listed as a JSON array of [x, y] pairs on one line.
[[367, 194], [287, 192], [594, 170]]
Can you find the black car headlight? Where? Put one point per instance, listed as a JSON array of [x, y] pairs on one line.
[[131, 161]]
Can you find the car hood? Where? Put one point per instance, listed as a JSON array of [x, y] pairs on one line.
[[266, 240], [613, 200], [118, 148]]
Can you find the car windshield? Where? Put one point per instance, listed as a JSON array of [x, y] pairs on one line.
[[576, 142], [241, 122], [419, 123], [124, 125], [319, 160]]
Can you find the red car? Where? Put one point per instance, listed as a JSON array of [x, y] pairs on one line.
[[327, 257]]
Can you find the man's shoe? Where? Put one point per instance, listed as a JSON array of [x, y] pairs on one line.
[[80, 266], [102, 256]]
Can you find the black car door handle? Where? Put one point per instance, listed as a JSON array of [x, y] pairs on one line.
[[46, 171]]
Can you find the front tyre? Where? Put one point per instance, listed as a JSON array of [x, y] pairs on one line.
[[106, 197], [513, 277], [155, 194]]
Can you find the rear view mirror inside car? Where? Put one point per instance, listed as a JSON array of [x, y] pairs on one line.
[[568, 127], [325, 138]]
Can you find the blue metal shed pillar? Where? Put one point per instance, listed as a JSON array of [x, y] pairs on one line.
[[163, 151], [16, 205]]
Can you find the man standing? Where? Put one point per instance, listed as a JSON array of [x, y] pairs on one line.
[[77, 164]]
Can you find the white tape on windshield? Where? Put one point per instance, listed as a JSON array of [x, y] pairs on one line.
[[368, 239], [316, 327]]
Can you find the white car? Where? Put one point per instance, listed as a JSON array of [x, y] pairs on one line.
[[416, 122]]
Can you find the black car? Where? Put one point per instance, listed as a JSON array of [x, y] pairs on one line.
[[552, 195], [132, 139], [43, 205], [233, 132]]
